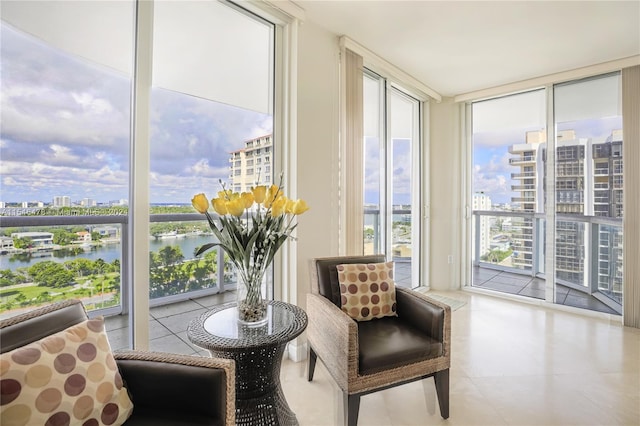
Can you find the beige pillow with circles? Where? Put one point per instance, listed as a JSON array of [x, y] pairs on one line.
[[367, 290], [67, 378]]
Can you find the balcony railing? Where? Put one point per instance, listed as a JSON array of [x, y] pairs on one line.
[[118, 294], [522, 175], [522, 160], [588, 251]]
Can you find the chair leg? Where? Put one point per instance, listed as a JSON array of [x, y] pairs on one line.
[[311, 366], [351, 408], [441, 379]]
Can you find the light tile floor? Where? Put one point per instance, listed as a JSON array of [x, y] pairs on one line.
[[512, 364]]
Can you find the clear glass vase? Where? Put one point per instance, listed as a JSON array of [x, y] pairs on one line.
[[252, 306]]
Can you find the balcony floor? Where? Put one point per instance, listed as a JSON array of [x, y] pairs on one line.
[[523, 285]]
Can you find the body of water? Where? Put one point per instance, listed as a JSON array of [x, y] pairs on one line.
[[106, 252]]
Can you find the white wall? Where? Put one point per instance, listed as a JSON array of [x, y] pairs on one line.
[[446, 177], [318, 148]]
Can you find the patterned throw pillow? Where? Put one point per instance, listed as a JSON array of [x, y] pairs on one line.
[[367, 290], [68, 378]]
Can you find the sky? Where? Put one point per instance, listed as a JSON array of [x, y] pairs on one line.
[[591, 108], [65, 130]]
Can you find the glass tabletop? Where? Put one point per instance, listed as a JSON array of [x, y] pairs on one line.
[[225, 323], [220, 328]]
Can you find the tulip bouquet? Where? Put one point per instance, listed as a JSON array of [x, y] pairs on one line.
[[253, 226]]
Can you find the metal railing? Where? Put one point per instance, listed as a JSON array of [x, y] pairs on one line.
[[596, 240], [220, 284]]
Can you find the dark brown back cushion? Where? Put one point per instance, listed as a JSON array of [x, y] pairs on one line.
[[328, 285], [35, 325]]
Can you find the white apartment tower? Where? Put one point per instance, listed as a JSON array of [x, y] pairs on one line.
[[251, 165], [481, 201], [61, 201], [588, 183]]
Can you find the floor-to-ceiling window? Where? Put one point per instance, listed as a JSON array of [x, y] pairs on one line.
[[211, 125], [66, 93], [391, 176], [508, 194], [588, 187], [511, 194], [66, 121]]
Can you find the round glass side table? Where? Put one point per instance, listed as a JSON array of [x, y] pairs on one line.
[[257, 352]]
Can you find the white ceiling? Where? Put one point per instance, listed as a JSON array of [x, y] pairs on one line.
[[456, 47]]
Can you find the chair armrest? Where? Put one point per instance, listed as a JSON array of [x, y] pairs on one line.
[[194, 386], [425, 314], [334, 337]]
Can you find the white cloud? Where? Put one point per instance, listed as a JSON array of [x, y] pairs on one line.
[[92, 104]]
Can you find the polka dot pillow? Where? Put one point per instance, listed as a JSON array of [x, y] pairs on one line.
[[68, 378], [367, 290]]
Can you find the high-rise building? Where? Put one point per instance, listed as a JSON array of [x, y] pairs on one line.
[[481, 201], [61, 201], [88, 202], [251, 165], [588, 183]]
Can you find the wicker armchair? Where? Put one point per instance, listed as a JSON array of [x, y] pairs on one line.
[[365, 357], [166, 389]]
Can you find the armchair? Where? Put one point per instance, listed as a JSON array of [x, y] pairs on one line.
[[165, 389], [367, 356]]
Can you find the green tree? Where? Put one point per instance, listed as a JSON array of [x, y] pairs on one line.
[[23, 243], [51, 274], [80, 267], [95, 236], [115, 266], [63, 237], [8, 277], [100, 266]]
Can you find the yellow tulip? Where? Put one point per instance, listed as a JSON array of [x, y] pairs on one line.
[[299, 207], [200, 203], [247, 199], [235, 206], [225, 195], [288, 207], [220, 206], [272, 194], [259, 193], [277, 208]]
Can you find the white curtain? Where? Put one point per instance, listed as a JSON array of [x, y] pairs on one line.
[[351, 167], [631, 155]]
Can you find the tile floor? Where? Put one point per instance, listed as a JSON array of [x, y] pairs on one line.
[[512, 364]]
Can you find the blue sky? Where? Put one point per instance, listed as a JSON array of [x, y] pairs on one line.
[[65, 130], [491, 168]]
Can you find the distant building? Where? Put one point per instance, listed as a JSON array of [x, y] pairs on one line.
[[88, 202], [6, 244], [84, 236], [588, 183], [38, 239], [61, 201], [481, 201], [251, 165], [107, 231]]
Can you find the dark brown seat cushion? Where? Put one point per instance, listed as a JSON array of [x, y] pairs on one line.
[[391, 342]]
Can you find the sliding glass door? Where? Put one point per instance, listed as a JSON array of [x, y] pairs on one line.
[[508, 193], [513, 192], [588, 193]]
